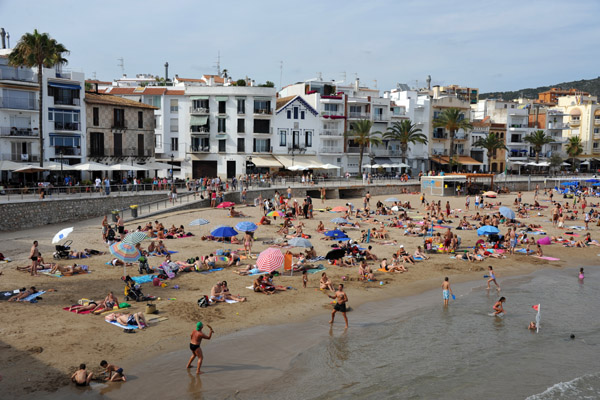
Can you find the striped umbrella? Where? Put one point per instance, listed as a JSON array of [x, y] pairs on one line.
[[199, 221], [125, 252], [269, 260], [275, 213], [246, 226], [134, 238], [339, 221]]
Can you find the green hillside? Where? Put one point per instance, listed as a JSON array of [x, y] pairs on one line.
[[591, 86]]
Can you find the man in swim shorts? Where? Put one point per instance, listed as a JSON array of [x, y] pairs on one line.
[[196, 340], [446, 291], [340, 304]]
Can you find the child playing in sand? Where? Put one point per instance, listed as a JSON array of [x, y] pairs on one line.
[[115, 373], [82, 377], [305, 278]]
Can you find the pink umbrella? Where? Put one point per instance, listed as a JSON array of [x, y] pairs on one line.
[[545, 241], [269, 260], [226, 204], [339, 209]]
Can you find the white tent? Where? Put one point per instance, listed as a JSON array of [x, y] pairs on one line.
[[156, 165], [91, 166], [9, 165], [28, 168], [127, 167], [330, 166], [296, 168]]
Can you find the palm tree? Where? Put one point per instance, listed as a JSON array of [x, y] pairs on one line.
[[452, 119], [41, 51], [538, 139], [574, 148], [491, 143], [360, 131], [405, 132]]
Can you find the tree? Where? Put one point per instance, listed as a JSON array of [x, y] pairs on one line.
[[240, 82], [405, 132], [41, 51], [453, 120], [360, 131], [267, 84], [538, 139], [491, 143], [574, 148]]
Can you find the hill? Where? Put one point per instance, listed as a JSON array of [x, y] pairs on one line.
[[591, 86]]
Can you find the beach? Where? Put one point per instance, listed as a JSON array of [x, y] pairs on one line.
[[46, 344]]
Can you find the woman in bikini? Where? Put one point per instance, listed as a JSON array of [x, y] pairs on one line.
[[248, 240], [109, 302]]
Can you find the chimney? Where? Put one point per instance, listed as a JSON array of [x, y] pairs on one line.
[[428, 82], [167, 71], [3, 35], [356, 84]]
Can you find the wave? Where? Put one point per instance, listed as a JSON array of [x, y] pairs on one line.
[[583, 387]]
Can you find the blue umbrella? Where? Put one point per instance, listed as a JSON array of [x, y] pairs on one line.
[[223, 231], [336, 233], [342, 239], [199, 221], [487, 230], [569, 184], [339, 221], [246, 226], [507, 212], [592, 180]]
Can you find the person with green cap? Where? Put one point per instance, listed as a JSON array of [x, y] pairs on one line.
[[196, 339]]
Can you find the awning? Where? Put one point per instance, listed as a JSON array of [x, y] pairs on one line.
[[465, 160], [303, 161], [198, 97], [194, 120], [263, 98], [221, 98], [63, 85], [266, 161]]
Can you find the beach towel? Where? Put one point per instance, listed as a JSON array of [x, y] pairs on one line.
[[143, 278], [33, 296], [229, 301], [80, 312], [211, 270], [577, 228], [548, 258], [572, 234], [123, 326], [319, 268], [418, 258], [257, 273], [82, 256], [56, 274], [5, 295], [524, 251], [319, 258]]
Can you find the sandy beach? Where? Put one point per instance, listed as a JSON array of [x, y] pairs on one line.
[[42, 344]]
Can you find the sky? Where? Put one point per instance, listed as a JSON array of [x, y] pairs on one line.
[[491, 45]]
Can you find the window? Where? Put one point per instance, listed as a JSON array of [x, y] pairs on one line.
[[295, 139], [355, 109], [222, 107], [97, 144], [200, 144], [174, 106], [118, 118], [222, 145], [331, 107], [64, 141], [140, 143], [158, 143], [96, 116], [282, 138], [596, 130], [200, 106], [241, 125], [262, 145], [118, 144], [65, 97], [308, 139], [595, 145], [140, 119], [241, 106], [174, 144], [301, 114], [262, 107], [221, 125], [152, 100], [289, 114], [241, 145], [65, 120], [262, 126], [295, 112]]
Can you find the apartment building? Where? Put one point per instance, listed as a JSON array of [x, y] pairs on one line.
[[550, 97], [470, 95], [582, 114]]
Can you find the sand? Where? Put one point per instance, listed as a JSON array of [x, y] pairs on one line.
[[42, 345]]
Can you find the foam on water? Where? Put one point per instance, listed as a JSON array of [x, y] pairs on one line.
[[583, 387]]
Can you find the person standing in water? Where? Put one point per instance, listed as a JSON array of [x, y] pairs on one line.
[[446, 291], [196, 340], [492, 278], [581, 275], [498, 307], [340, 304]]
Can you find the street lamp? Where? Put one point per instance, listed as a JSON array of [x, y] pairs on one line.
[[61, 167], [172, 163]]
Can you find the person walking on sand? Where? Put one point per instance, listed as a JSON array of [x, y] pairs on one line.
[[446, 291], [467, 202], [34, 256], [195, 341], [340, 304], [492, 278], [323, 192], [498, 306]]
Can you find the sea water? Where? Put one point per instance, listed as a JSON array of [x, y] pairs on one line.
[[406, 348]]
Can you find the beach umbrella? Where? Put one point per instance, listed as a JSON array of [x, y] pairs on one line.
[[296, 168], [487, 230], [29, 169], [339, 209], [330, 166], [135, 238], [91, 166], [223, 231], [335, 254], [339, 221], [199, 221], [226, 204], [269, 260], [275, 213], [395, 208], [392, 199], [125, 252], [61, 235], [246, 226], [336, 233], [300, 242], [6, 165], [507, 212], [490, 194], [342, 239], [545, 241], [592, 180]]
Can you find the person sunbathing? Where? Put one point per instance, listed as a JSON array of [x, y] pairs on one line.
[[419, 253], [311, 253], [23, 294], [160, 235], [128, 319], [403, 254], [262, 286], [234, 240], [152, 247], [369, 255], [265, 220], [228, 295], [68, 270], [235, 214], [216, 294], [115, 262], [91, 305], [109, 303], [161, 248], [325, 283]]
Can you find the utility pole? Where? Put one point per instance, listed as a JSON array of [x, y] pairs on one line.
[[280, 74], [121, 65]]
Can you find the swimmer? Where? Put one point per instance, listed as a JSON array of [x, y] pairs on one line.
[[195, 341], [492, 279], [581, 275], [532, 326], [498, 307]]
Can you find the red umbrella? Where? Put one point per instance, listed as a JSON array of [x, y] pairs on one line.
[[339, 209], [269, 260], [226, 204]]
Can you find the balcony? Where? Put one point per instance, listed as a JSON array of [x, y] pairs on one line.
[[199, 110], [574, 122], [380, 118], [385, 152], [19, 132], [18, 157], [439, 135], [332, 114], [64, 75], [263, 112], [462, 136], [596, 151], [560, 125], [356, 150], [66, 101], [596, 136], [67, 126], [331, 98], [443, 152], [19, 104], [331, 132], [17, 74], [596, 121], [359, 115], [198, 130], [332, 149], [199, 149], [119, 125], [67, 151], [517, 127]]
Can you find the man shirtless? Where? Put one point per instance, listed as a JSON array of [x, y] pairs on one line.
[[114, 373], [446, 291], [340, 304], [34, 256], [195, 341], [82, 377]]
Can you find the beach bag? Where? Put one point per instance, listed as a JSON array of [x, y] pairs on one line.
[[203, 302], [151, 308], [156, 282]]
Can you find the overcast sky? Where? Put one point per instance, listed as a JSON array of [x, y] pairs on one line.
[[492, 45]]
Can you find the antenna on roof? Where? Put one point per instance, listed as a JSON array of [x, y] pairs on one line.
[[375, 80], [94, 74], [121, 64], [218, 65], [344, 76], [280, 73], [320, 76]]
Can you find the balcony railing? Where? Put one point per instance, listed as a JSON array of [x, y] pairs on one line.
[[331, 132], [263, 111], [199, 110], [443, 152], [336, 113], [119, 125], [195, 130], [332, 149], [19, 104], [438, 135], [377, 117], [356, 150], [67, 126], [21, 132], [461, 136], [67, 101], [560, 125], [14, 74], [596, 121], [67, 151], [359, 115], [18, 157], [199, 149]]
